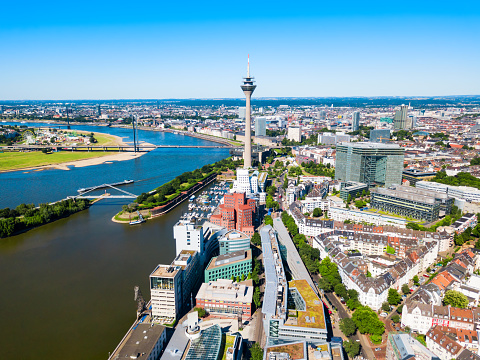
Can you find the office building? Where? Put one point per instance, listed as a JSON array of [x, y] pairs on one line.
[[233, 241], [232, 265], [249, 184], [411, 202], [400, 118], [294, 133], [260, 126], [402, 346], [236, 212], [225, 297], [328, 138], [414, 176], [144, 339], [241, 112], [171, 286], [380, 135], [466, 193], [248, 87], [369, 163], [355, 121], [189, 236], [353, 189]]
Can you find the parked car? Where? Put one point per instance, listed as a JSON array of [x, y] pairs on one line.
[[377, 349], [384, 314]]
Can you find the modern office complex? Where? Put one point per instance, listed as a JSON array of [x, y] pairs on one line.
[[248, 88], [225, 297], [232, 265], [260, 126], [411, 202], [352, 188], [400, 119], [171, 286], [414, 176], [355, 121], [328, 138], [236, 213], [380, 135], [466, 193], [369, 163], [233, 241]]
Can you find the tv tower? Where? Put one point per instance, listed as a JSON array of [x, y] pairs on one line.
[[248, 87]]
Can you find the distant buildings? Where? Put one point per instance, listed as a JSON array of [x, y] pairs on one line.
[[466, 193], [414, 176], [294, 133], [260, 126], [229, 266], [241, 112], [380, 135], [411, 202], [369, 163], [355, 121], [402, 346], [328, 138], [400, 119], [171, 286], [225, 297]]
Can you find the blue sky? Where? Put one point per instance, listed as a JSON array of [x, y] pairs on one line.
[[132, 50]]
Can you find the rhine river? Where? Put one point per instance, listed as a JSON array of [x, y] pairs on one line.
[[67, 287]]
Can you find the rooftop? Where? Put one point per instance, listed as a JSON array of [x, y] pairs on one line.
[[229, 259], [313, 316], [141, 342]]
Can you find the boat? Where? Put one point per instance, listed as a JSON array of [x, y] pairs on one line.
[[139, 221], [192, 198], [124, 182]]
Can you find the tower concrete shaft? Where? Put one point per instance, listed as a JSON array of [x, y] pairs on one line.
[[248, 87]]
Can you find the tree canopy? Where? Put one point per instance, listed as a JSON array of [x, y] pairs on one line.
[[455, 298]]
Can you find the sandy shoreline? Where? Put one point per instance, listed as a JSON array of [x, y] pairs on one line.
[[123, 156]]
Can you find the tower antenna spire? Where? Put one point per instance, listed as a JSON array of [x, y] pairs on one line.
[[248, 66]]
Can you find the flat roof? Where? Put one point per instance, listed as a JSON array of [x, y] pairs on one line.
[[165, 271], [142, 339], [229, 259], [370, 145], [314, 316]]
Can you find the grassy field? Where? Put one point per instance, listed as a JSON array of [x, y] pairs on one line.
[[102, 139], [20, 160]]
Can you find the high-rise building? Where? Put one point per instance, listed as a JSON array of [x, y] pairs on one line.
[[248, 88], [355, 121], [171, 286], [380, 135], [241, 112], [188, 236], [400, 119], [369, 163], [260, 126], [294, 133], [99, 111]]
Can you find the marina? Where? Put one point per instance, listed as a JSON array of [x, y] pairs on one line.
[[205, 204]]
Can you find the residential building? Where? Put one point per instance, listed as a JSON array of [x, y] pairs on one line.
[[401, 346], [225, 298], [233, 241], [171, 286], [466, 221], [294, 133], [369, 163], [229, 266], [441, 344], [260, 126], [380, 135], [411, 202], [146, 339]]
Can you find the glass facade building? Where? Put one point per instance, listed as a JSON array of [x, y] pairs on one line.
[[374, 164]]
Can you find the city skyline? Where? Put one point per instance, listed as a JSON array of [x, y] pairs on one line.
[[164, 51]]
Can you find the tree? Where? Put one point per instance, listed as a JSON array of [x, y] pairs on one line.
[[329, 271], [405, 289], [394, 297], [256, 352], [416, 280], [243, 277], [386, 306], [256, 297], [390, 250], [352, 348], [325, 285], [349, 198], [455, 298], [348, 327], [399, 309], [352, 294], [256, 240], [353, 304], [396, 318], [268, 220], [317, 212], [340, 290], [367, 321], [201, 311]]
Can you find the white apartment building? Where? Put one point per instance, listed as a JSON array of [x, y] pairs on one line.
[[341, 214], [188, 236], [294, 133]]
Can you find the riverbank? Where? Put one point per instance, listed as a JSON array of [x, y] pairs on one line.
[[38, 161]]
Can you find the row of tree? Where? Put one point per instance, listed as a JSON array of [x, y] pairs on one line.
[[26, 216], [318, 169]]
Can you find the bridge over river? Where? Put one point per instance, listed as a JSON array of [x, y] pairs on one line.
[[139, 148]]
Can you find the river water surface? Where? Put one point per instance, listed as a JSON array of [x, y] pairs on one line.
[[67, 287]]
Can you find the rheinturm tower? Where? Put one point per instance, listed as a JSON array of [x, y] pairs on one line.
[[248, 87]]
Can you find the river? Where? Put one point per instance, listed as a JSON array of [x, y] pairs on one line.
[[67, 287]]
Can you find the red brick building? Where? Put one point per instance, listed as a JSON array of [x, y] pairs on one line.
[[236, 212]]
